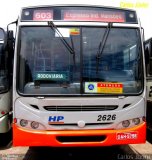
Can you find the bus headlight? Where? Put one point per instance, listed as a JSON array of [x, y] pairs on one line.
[[23, 122], [136, 121], [125, 123], [34, 125], [29, 124], [130, 123]]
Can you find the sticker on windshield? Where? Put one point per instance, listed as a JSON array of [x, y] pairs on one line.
[[106, 87], [64, 32], [90, 87], [53, 76], [103, 87], [74, 31]]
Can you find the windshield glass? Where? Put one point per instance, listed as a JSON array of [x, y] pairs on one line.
[[3, 70], [46, 65]]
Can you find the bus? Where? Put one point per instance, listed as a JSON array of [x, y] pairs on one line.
[[79, 77], [5, 86], [148, 64]]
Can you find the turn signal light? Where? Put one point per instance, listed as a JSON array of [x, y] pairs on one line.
[[2, 112]]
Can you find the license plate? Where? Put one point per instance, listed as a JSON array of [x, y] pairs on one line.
[[127, 135]]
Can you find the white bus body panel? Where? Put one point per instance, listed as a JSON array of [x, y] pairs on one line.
[[5, 105], [24, 110], [5, 124]]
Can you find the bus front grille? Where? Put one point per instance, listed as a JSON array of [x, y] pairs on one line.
[[81, 108]]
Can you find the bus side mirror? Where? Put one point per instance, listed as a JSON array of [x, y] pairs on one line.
[[10, 41]]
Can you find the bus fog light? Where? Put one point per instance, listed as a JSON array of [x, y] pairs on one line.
[[34, 125], [126, 123], [136, 121], [23, 123]]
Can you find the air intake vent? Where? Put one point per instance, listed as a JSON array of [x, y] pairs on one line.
[[96, 138], [34, 106], [81, 108], [126, 105]]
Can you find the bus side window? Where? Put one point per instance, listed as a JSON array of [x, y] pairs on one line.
[[148, 56]]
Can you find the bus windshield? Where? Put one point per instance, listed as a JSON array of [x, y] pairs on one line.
[[3, 70], [46, 66]]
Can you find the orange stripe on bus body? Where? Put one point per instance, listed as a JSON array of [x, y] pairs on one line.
[[25, 137]]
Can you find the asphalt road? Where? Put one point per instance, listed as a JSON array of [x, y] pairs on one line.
[[48, 153]]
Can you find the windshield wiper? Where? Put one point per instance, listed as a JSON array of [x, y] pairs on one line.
[[102, 45], [66, 44], [56, 30]]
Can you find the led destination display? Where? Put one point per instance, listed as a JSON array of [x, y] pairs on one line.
[[75, 13]]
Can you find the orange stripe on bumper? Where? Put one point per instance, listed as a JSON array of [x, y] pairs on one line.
[[24, 137]]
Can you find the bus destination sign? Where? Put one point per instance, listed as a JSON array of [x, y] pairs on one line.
[[52, 76], [90, 15]]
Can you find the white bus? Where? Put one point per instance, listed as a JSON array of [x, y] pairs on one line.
[[79, 77], [148, 64], [5, 85]]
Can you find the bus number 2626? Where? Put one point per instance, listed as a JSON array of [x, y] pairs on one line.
[[105, 117]]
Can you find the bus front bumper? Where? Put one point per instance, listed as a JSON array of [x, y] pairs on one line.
[[77, 138]]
